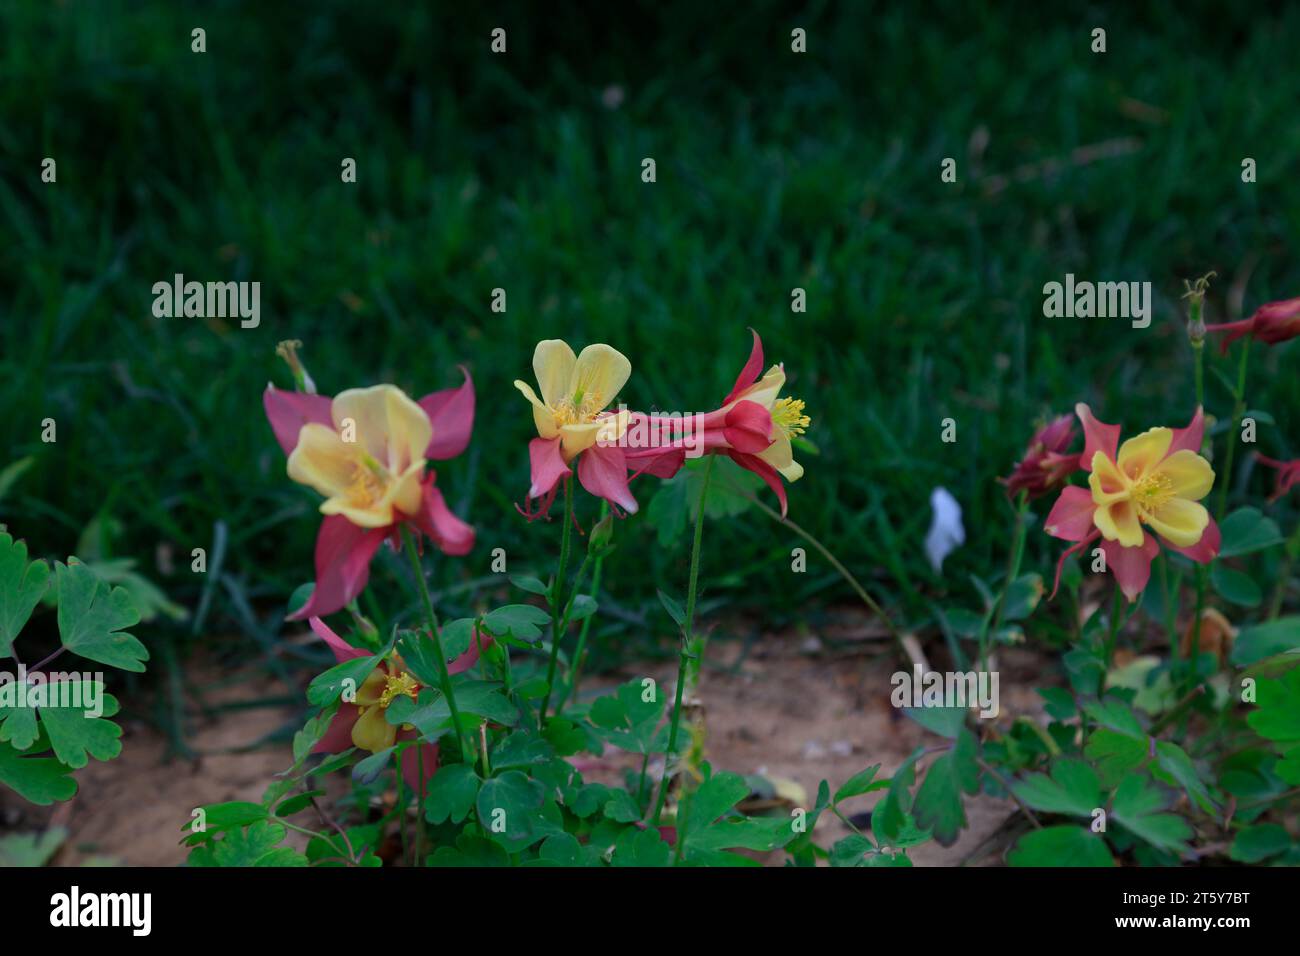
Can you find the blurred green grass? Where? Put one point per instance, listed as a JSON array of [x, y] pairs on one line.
[[478, 171]]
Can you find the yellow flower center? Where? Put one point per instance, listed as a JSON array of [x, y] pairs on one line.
[[787, 415], [585, 405], [1151, 493], [369, 483], [396, 685]]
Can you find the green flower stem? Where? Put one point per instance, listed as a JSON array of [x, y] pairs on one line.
[[558, 615], [683, 651], [1238, 410], [1014, 557], [834, 562], [1202, 571], [431, 617], [571, 687], [1290, 549]]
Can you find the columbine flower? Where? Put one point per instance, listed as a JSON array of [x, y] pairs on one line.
[[572, 423], [1272, 323], [1045, 464], [363, 723], [365, 450], [1288, 473], [754, 427], [1155, 480]]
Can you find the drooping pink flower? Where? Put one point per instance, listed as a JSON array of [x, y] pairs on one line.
[[364, 723], [1046, 464], [753, 427], [1288, 473], [1155, 480], [366, 450], [1271, 323]]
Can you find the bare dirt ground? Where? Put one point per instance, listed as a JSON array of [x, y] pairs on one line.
[[790, 709]]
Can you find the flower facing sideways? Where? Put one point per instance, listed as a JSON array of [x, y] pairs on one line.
[[366, 450], [1272, 323], [1144, 492], [363, 722], [572, 423], [754, 427]]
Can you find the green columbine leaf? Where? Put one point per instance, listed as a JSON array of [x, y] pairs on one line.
[[628, 717], [470, 850], [452, 793], [22, 585], [1235, 586], [1065, 845], [530, 584], [560, 849], [1022, 597], [621, 808], [705, 835], [891, 817], [1260, 641], [507, 807], [257, 845], [1245, 531], [862, 782], [641, 848], [673, 607], [1257, 843], [39, 780], [216, 817], [328, 687], [482, 699], [420, 655], [1136, 807], [1174, 762], [938, 805], [92, 615], [17, 719], [523, 622], [1072, 788], [74, 735]]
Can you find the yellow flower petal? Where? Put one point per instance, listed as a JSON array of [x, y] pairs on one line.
[[1190, 476], [766, 389], [372, 731], [1107, 483], [372, 688], [1119, 522], [1141, 453], [553, 364], [543, 417], [390, 427], [1179, 521], [575, 439], [780, 455], [597, 377], [322, 460], [612, 427]]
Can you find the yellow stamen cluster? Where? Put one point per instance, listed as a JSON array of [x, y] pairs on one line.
[[367, 485], [582, 408], [787, 415], [1152, 492], [396, 685]]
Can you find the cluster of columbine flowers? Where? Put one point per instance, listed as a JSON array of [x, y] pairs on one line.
[[1147, 491], [367, 452]]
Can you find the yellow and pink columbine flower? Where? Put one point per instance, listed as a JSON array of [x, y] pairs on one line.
[[1272, 323], [363, 722], [572, 422], [754, 427], [366, 451], [1139, 494]]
